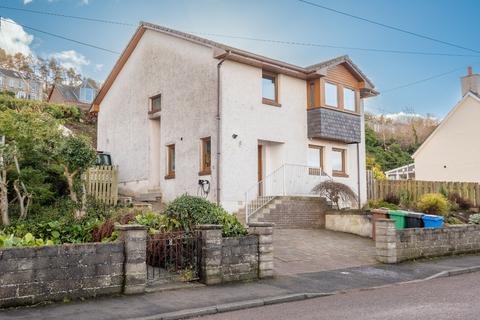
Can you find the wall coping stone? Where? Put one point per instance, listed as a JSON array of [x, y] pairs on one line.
[[261, 224], [349, 212], [125, 227], [209, 227]]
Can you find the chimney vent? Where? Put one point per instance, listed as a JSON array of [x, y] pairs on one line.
[[470, 83]]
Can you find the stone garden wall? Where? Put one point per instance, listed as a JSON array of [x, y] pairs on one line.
[[236, 259], [35, 274], [355, 222], [30, 275], [399, 245]]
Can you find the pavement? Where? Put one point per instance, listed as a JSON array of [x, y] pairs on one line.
[[438, 299], [313, 250], [184, 303]]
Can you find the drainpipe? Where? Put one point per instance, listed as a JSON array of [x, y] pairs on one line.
[[219, 65], [358, 176]]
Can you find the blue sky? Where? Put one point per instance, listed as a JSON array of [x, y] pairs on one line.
[[288, 20]]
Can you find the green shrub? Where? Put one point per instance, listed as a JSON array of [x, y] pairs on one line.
[[406, 199], [190, 211], [474, 219], [28, 240], [453, 220], [372, 204], [155, 221], [433, 203]]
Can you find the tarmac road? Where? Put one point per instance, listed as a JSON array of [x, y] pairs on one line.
[[443, 298]]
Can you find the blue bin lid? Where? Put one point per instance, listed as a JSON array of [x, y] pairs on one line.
[[432, 217]]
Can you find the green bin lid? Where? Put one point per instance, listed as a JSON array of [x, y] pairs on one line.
[[397, 213]]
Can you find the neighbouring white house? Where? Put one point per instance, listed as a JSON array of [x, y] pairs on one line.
[[452, 151], [181, 114]]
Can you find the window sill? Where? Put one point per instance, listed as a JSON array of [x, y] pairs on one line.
[[340, 174], [271, 102], [205, 173], [170, 176]]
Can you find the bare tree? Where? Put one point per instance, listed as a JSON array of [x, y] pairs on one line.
[[337, 193], [3, 184]]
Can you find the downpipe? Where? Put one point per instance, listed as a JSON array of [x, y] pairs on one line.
[[219, 123]]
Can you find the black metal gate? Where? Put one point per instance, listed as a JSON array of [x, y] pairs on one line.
[[173, 256]]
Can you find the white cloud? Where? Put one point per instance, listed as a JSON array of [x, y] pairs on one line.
[[84, 2], [404, 116], [27, 1], [71, 59], [13, 38], [99, 67]]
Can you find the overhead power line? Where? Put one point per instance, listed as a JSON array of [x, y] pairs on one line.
[[423, 80], [60, 36], [68, 16], [451, 44], [310, 44], [283, 42]]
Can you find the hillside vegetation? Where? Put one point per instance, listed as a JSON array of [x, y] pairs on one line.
[[392, 140]]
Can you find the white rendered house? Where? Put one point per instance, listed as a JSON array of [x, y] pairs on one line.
[[178, 108], [452, 152]]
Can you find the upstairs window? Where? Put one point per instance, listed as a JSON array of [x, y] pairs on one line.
[[315, 160], [338, 162], [270, 88], [155, 103], [206, 156], [1, 81], [349, 101], [170, 162], [331, 94], [11, 83]]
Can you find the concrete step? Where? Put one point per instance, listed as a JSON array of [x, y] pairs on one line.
[[148, 196]]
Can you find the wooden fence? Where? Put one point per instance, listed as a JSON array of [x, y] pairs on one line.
[[378, 189], [101, 183]]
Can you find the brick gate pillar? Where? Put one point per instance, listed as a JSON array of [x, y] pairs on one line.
[[134, 237], [264, 230], [211, 253]]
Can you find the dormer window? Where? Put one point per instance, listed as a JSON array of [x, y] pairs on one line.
[[331, 94]]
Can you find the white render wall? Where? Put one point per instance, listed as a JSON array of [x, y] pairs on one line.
[[185, 74], [284, 127], [452, 153]]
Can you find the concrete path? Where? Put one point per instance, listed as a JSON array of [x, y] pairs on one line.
[[314, 250], [211, 299], [439, 299]]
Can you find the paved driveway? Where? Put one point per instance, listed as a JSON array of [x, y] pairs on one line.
[[312, 250]]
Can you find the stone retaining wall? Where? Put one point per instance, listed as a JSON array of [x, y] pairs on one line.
[[399, 245], [294, 212], [355, 223], [30, 275]]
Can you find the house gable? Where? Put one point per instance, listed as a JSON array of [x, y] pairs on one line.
[[450, 117]]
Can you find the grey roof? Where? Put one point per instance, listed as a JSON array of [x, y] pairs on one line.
[[10, 73], [70, 93]]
